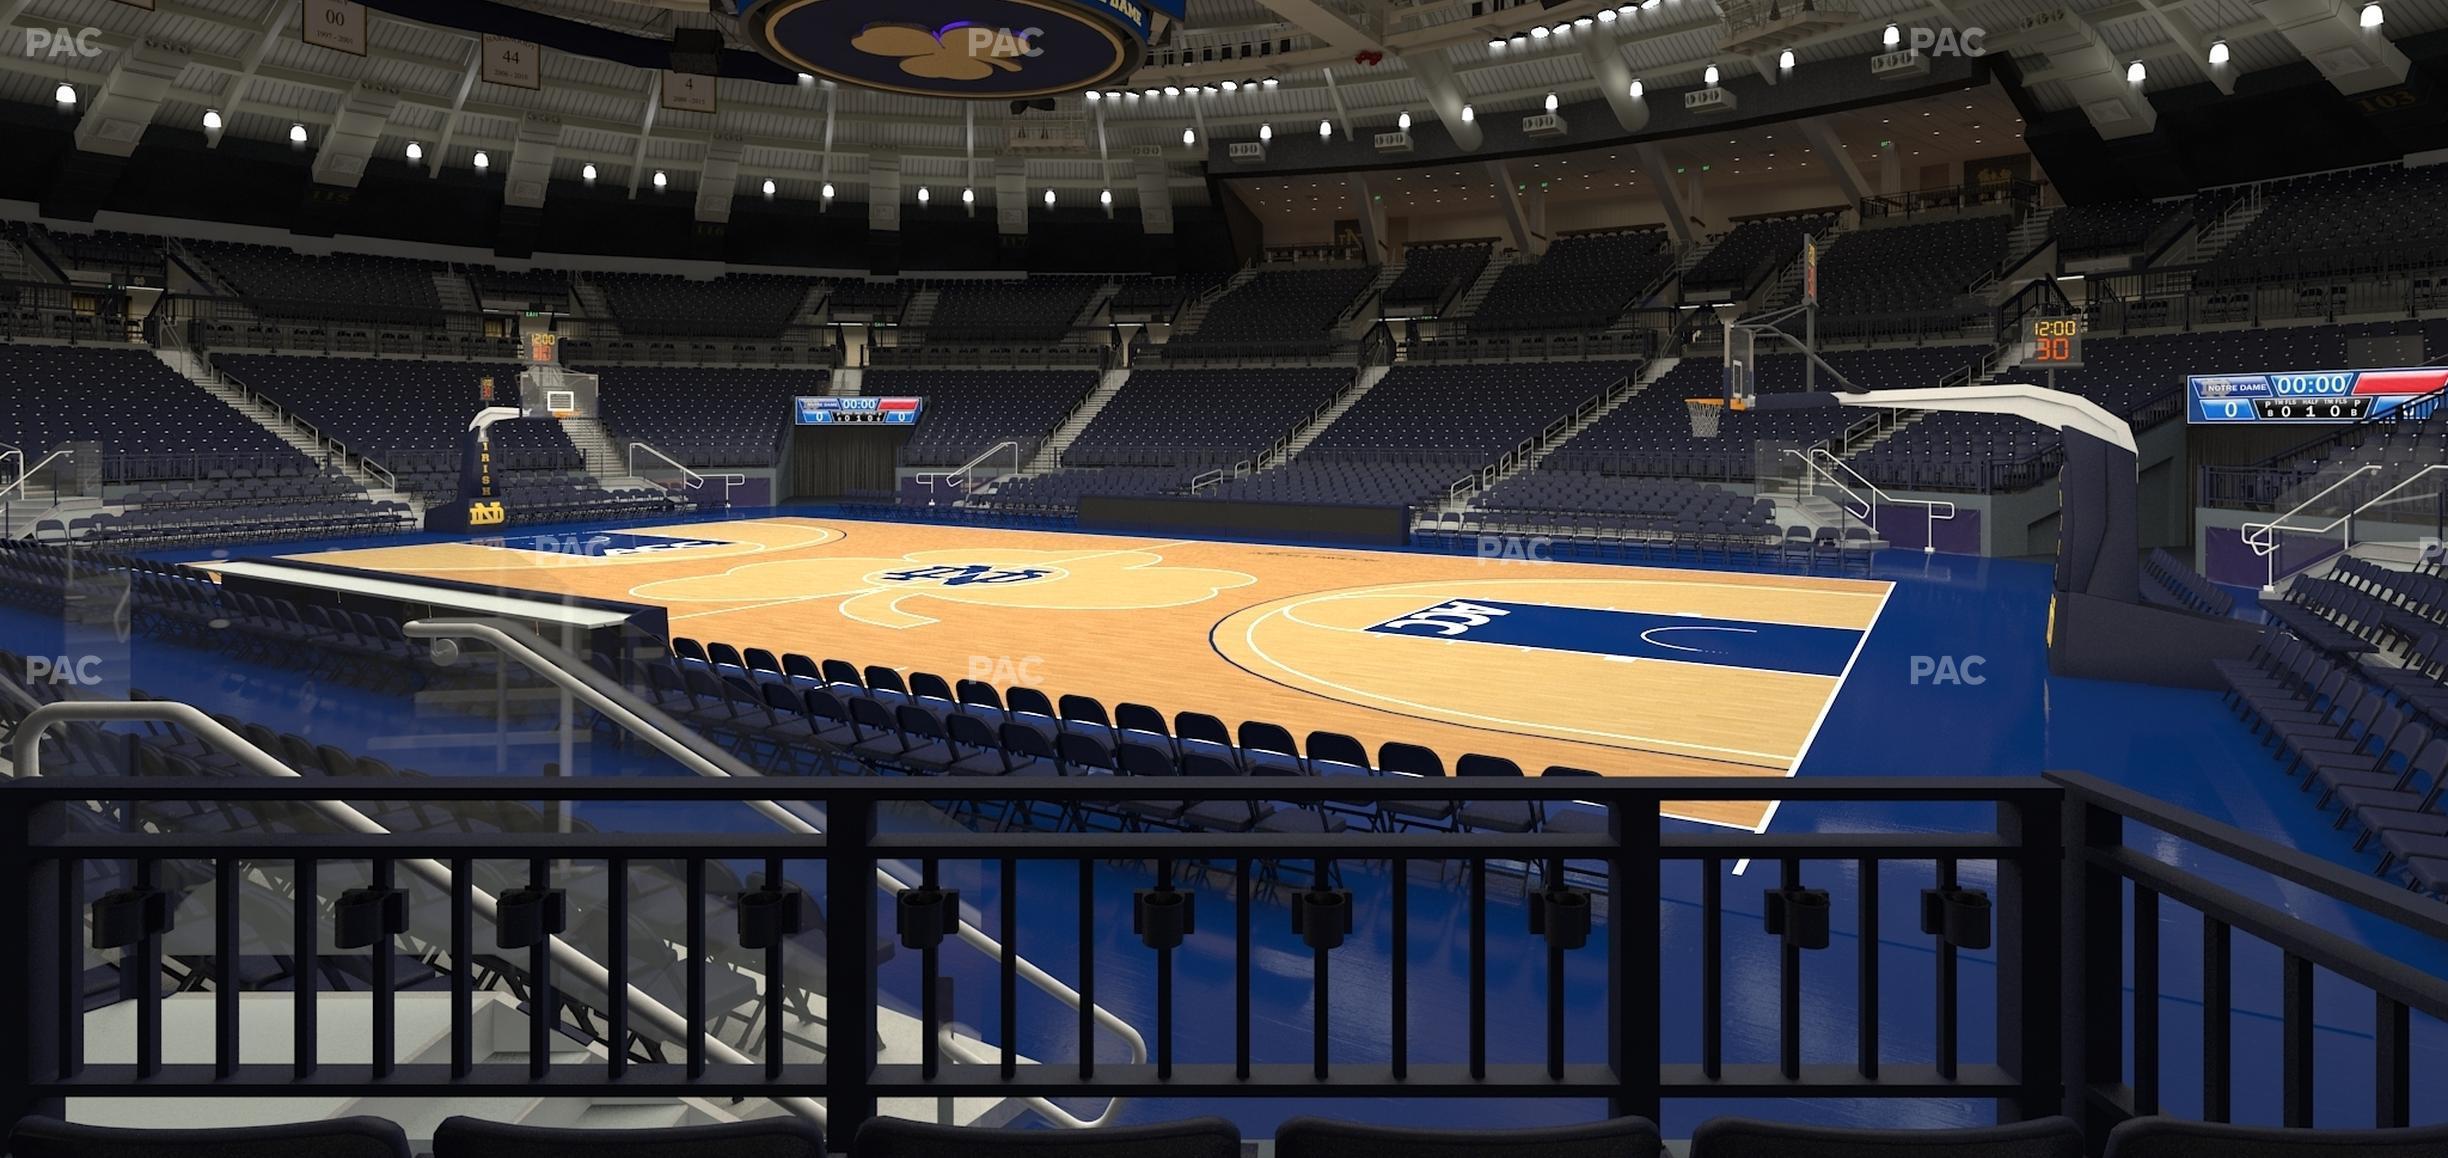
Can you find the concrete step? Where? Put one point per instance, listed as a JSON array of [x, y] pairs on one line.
[[1049, 456]]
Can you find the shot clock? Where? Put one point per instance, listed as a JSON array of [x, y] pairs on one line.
[[2056, 342]]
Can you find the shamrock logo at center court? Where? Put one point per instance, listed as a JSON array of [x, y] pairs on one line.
[[899, 592]]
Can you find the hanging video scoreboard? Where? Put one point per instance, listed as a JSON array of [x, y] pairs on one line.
[[829, 410], [2306, 395]]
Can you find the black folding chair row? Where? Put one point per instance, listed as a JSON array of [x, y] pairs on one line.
[[2384, 766]]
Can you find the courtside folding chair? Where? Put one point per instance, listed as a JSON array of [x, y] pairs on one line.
[[1085, 716], [1030, 708], [1203, 734], [1333, 754], [1396, 758], [1141, 724], [1085, 755], [1220, 815], [1510, 816], [1269, 748], [1146, 760], [1027, 752], [932, 693], [885, 684], [979, 698]]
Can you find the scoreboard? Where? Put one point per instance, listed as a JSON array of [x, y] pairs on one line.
[[828, 410], [2306, 395]]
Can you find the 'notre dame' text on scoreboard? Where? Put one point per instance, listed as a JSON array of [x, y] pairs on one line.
[[826, 410], [2310, 395]]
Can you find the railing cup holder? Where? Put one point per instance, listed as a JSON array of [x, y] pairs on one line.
[[363, 918], [1162, 917], [1322, 917], [1957, 917], [769, 915], [926, 915], [122, 917], [524, 917], [1561, 915], [1800, 916]]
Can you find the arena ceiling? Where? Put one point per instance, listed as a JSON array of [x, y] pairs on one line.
[[1358, 63]]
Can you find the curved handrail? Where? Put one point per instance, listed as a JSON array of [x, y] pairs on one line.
[[2266, 546], [714, 762], [689, 478], [2265, 543], [27, 751], [1868, 511], [18, 484]]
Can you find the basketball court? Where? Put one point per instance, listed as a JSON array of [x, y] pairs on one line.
[[1629, 671]]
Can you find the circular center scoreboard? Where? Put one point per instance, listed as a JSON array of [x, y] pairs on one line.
[[830, 410], [2306, 395]]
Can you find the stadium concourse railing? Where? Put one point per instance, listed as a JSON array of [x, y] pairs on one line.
[[64, 313], [205, 322], [2076, 898]]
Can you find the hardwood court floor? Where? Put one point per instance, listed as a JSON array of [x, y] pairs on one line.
[[1630, 671]]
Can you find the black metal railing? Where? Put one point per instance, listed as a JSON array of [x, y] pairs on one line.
[[2058, 920]]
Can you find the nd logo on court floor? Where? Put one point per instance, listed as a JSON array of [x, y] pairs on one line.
[[898, 592]]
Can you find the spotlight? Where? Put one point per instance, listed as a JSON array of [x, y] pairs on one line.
[[1539, 33], [1325, 130], [1105, 198], [65, 94], [1561, 29], [1636, 88], [1518, 40], [212, 120], [1094, 96], [416, 152], [968, 196], [1266, 133], [587, 174], [660, 180], [1269, 82], [769, 188], [1606, 16], [2218, 52], [827, 191], [1582, 22], [2371, 16], [297, 133], [1467, 115], [482, 162], [804, 78], [1710, 75], [2134, 73], [923, 195], [1403, 122], [1172, 90], [1551, 102], [1892, 37], [1785, 60], [1189, 136], [1049, 199], [1496, 44], [1232, 86]]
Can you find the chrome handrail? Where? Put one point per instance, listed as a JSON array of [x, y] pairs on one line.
[[27, 751], [710, 760], [2266, 544]]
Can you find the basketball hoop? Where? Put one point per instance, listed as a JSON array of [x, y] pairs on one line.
[[1706, 412]]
